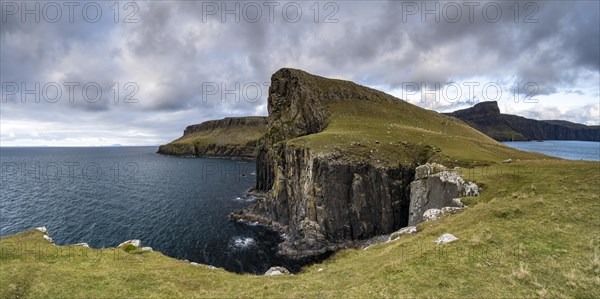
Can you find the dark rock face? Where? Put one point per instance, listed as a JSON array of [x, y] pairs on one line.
[[183, 149], [322, 203], [486, 117], [246, 149]]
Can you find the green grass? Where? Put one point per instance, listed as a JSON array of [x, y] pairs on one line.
[[533, 232], [397, 132], [130, 248], [213, 138], [224, 136]]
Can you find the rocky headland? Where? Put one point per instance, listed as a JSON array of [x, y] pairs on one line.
[[341, 163], [235, 137]]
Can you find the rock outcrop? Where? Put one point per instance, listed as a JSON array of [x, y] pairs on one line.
[[486, 117], [277, 271], [409, 230], [229, 137], [135, 243], [434, 188], [446, 238]]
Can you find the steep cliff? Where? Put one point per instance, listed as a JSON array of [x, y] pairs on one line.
[[486, 117], [337, 160], [228, 137]]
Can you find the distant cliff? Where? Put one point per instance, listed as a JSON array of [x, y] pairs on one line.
[[229, 137], [486, 117]]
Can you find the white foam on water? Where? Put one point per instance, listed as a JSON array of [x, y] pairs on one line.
[[243, 242]]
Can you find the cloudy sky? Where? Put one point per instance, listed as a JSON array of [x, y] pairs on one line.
[[136, 73]]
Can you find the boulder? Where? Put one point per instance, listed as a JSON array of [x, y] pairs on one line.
[[135, 242], [48, 239], [435, 214], [458, 202], [432, 215], [447, 210], [446, 238], [409, 230], [276, 271], [42, 229]]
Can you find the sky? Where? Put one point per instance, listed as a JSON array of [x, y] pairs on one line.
[[137, 73]]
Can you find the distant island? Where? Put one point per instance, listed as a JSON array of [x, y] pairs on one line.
[[486, 117]]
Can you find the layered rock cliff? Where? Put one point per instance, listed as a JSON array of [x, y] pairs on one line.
[[486, 117], [337, 161], [436, 187], [229, 137]]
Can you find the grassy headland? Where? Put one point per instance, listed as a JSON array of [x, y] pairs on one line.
[[229, 137]]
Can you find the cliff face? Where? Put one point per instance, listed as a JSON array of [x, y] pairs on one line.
[[228, 137], [326, 187], [324, 202], [486, 117]]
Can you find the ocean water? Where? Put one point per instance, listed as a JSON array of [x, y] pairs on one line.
[[104, 196], [572, 150]]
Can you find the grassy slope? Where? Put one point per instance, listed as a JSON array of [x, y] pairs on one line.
[[402, 130], [539, 225], [224, 136]]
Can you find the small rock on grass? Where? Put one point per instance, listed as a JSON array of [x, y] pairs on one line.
[[277, 271], [446, 238], [409, 230], [135, 242], [48, 239]]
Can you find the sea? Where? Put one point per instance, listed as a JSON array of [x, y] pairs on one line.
[[571, 150], [178, 206], [106, 195]]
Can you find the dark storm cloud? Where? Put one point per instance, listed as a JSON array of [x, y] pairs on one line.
[[176, 50]]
